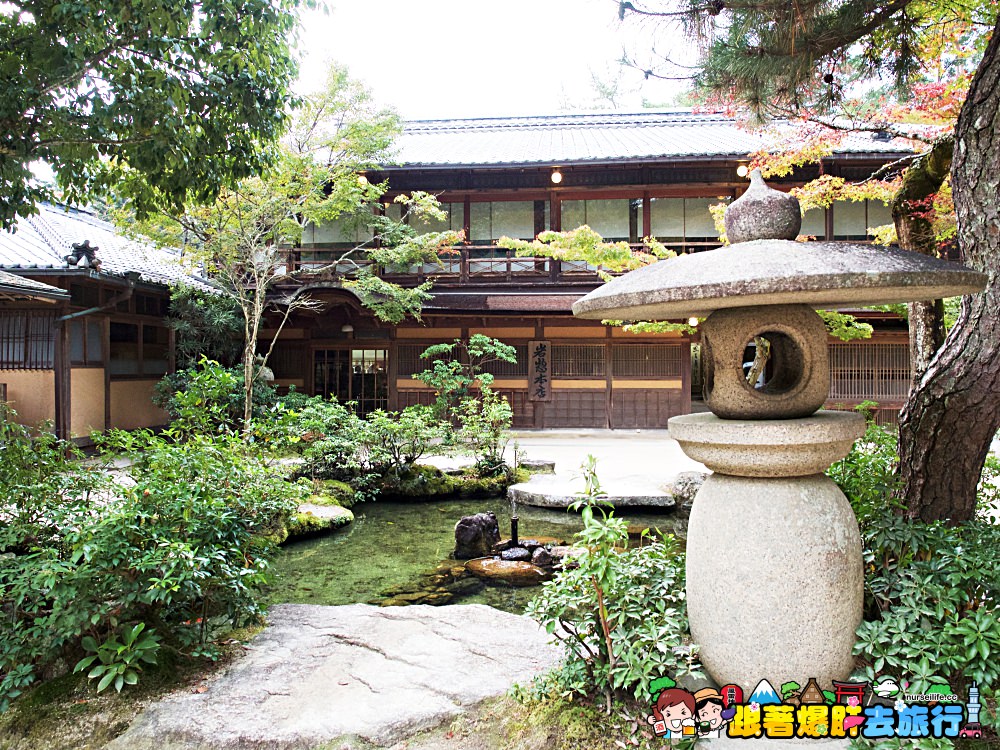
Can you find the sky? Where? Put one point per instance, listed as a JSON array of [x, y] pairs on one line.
[[479, 58]]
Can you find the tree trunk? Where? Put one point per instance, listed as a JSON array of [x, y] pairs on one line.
[[926, 322], [953, 411], [910, 208]]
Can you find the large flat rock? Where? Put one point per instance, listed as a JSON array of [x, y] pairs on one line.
[[319, 674], [557, 491]]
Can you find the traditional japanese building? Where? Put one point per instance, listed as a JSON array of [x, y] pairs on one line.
[[82, 333], [627, 176]]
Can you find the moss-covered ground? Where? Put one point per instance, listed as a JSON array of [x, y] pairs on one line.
[[67, 713]]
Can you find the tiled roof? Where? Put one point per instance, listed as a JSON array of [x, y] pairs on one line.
[[15, 285], [42, 241], [598, 137]]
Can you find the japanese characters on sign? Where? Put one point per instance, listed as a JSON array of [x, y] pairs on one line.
[[540, 371]]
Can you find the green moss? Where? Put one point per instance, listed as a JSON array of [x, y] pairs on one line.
[[66, 713], [305, 525], [419, 481], [472, 485], [333, 492], [505, 724]]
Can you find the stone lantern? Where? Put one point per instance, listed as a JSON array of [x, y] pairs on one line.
[[774, 567]]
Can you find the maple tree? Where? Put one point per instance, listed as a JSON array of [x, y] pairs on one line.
[[810, 62], [242, 238]]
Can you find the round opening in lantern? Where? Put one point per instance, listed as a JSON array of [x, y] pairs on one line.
[[773, 363]]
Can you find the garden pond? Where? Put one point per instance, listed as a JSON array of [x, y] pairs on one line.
[[399, 553]]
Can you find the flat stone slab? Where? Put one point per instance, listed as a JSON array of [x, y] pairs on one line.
[[538, 465], [556, 492], [319, 674]]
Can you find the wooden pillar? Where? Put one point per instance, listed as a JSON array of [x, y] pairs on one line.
[[538, 416], [62, 368], [392, 373], [106, 360], [608, 363]]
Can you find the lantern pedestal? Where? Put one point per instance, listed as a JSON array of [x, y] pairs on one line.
[[774, 569]]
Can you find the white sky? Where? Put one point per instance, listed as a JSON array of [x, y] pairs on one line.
[[471, 58]]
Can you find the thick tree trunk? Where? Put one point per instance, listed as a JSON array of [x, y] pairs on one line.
[[954, 409], [910, 208], [926, 320]]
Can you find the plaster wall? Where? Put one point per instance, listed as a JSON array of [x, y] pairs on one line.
[[86, 400], [31, 393], [132, 405]]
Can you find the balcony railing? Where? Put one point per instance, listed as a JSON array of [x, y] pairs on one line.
[[464, 265]]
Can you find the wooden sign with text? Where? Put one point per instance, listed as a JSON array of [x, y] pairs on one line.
[[540, 371]]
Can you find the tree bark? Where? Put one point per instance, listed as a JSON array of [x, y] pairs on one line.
[[910, 207], [953, 411]]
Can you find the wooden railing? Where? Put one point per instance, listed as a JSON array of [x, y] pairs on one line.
[[464, 264]]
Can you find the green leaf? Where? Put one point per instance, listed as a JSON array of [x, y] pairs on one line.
[[84, 663], [105, 681]]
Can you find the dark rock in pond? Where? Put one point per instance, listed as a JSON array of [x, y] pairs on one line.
[[529, 544], [415, 597], [515, 553], [476, 535], [542, 558], [514, 573], [465, 586], [437, 598], [502, 545]]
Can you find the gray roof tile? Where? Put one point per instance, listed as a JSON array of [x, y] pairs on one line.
[[596, 137], [9, 283], [42, 241]]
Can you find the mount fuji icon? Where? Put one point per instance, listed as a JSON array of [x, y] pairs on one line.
[[763, 694]]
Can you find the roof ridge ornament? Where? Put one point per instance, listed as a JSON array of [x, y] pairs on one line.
[[763, 213], [84, 255]]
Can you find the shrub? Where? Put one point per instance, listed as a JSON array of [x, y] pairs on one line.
[[932, 604], [391, 442], [867, 475], [209, 397], [620, 614], [932, 592], [455, 368], [174, 548], [205, 324], [484, 424]]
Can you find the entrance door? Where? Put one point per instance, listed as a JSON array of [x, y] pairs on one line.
[[357, 375]]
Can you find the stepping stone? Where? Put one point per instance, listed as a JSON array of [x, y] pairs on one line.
[[320, 675]]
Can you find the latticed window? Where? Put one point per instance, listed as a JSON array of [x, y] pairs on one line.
[[27, 340], [646, 361], [870, 372], [501, 369], [578, 360], [408, 359]]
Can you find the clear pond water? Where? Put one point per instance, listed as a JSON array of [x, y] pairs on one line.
[[393, 546]]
